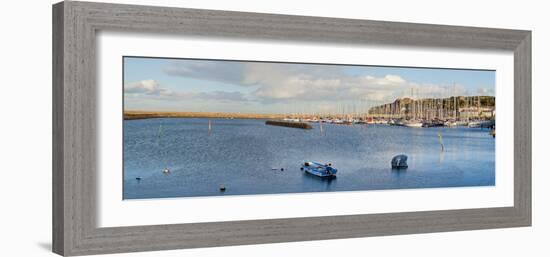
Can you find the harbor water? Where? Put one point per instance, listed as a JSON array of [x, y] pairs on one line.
[[248, 157]]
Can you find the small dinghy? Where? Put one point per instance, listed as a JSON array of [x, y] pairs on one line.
[[399, 162], [319, 169]]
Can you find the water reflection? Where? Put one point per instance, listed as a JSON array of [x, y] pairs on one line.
[[246, 156], [397, 172], [325, 183]]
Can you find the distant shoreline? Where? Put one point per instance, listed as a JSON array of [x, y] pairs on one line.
[[137, 115]]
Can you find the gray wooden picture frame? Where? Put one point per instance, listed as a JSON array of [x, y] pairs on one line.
[[75, 25]]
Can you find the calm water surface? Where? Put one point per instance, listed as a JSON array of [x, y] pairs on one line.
[[241, 155]]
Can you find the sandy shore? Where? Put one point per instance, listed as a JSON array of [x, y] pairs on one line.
[[134, 115]]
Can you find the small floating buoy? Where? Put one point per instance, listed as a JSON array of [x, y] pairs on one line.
[[222, 188], [165, 171], [282, 169]]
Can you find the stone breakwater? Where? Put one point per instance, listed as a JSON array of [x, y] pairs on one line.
[[290, 124]]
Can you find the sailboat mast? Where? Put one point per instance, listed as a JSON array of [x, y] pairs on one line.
[[162, 151]]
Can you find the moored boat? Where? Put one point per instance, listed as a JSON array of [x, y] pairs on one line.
[[396, 122], [481, 124], [399, 162], [413, 124], [450, 123], [319, 169], [474, 124], [433, 123], [462, 123]]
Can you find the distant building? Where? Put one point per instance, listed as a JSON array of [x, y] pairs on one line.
[[475, 112]]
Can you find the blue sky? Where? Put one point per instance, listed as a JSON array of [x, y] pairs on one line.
[[158, 84]]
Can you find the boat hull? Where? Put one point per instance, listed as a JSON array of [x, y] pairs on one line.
[[319, 170], [319, 174], [413, 125]]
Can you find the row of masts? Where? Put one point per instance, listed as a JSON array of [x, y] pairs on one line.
[[413, 106]]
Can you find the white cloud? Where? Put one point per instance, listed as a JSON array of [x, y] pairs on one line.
[[149, 87], [486, 91], [221, 96], [276, 83], [283, 83], [221, 71]]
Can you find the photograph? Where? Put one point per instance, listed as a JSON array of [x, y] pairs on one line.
[[284, 128], [198, 127]]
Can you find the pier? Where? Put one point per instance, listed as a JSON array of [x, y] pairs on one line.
[[290, 124]]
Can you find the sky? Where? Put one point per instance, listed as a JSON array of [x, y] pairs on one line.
[[193, 85]]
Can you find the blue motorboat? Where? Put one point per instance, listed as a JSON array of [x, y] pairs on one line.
[[319, 169]]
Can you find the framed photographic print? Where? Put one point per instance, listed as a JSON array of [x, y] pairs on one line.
[[183, 128]]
